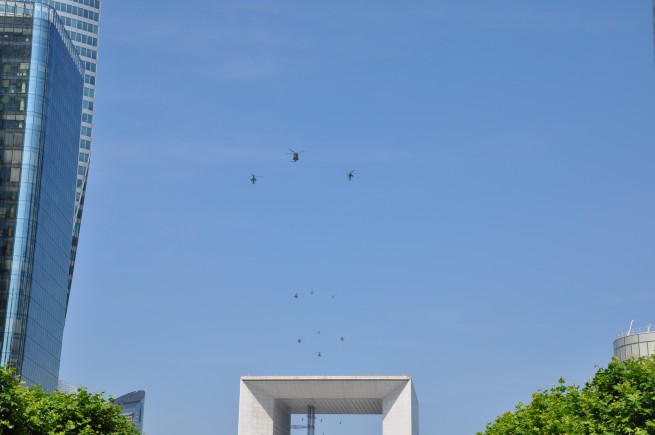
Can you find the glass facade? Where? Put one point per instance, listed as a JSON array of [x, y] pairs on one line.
[[41, 89], [132, 405], [81, 18]]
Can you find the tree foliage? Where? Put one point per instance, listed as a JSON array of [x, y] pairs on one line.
[[32, 411], [619, 399]]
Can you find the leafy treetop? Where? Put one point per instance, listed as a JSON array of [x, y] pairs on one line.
[[619, 399], [32, 411]]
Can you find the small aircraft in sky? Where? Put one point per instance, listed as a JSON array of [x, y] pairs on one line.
[[320, 354], [295, 296], [343, 338], [351, 174], [295, 154], [253, 179], [299, 340]]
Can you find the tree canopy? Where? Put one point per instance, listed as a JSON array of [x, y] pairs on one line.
[[33, 411], [619, 399]]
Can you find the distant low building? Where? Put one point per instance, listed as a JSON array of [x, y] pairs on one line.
[[635, 342], [66, 387], [133, 404]]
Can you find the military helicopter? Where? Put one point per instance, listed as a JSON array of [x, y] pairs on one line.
[[295, 154], [253, 179], [351, 174]]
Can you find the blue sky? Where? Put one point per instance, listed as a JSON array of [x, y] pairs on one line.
[[498, 236]]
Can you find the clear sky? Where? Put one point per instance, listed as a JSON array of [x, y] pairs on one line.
[[499, 234]]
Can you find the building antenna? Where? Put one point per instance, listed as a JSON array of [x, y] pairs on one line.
[[631, 321]]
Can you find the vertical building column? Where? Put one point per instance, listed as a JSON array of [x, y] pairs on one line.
[[400, 412], [261, 414]]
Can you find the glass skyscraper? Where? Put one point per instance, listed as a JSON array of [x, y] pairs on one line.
[[48, 57], [81, 18], [41, 99]]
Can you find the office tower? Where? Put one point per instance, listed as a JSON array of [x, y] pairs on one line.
[[41, 88], [132, 405], [39, 362], [81, 18], [635, 342]]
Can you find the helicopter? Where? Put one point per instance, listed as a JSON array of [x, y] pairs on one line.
[[351, 174], [295, 154], [299, 340], [343, 338], [253, 179]]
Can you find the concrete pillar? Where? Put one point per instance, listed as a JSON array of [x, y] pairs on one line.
[[261, 414], [400, 412]]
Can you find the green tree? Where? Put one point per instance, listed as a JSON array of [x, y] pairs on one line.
[[619, 399], [32, 411]]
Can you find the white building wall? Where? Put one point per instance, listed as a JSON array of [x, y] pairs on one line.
[[256, 411], [414, 411], [636, 345], [261, 414], [398, 412], [282, 422]]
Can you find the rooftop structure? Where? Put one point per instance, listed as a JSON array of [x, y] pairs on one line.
[[267, 402], [635, 342]]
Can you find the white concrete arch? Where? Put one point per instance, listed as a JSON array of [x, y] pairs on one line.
[[267, 402]]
